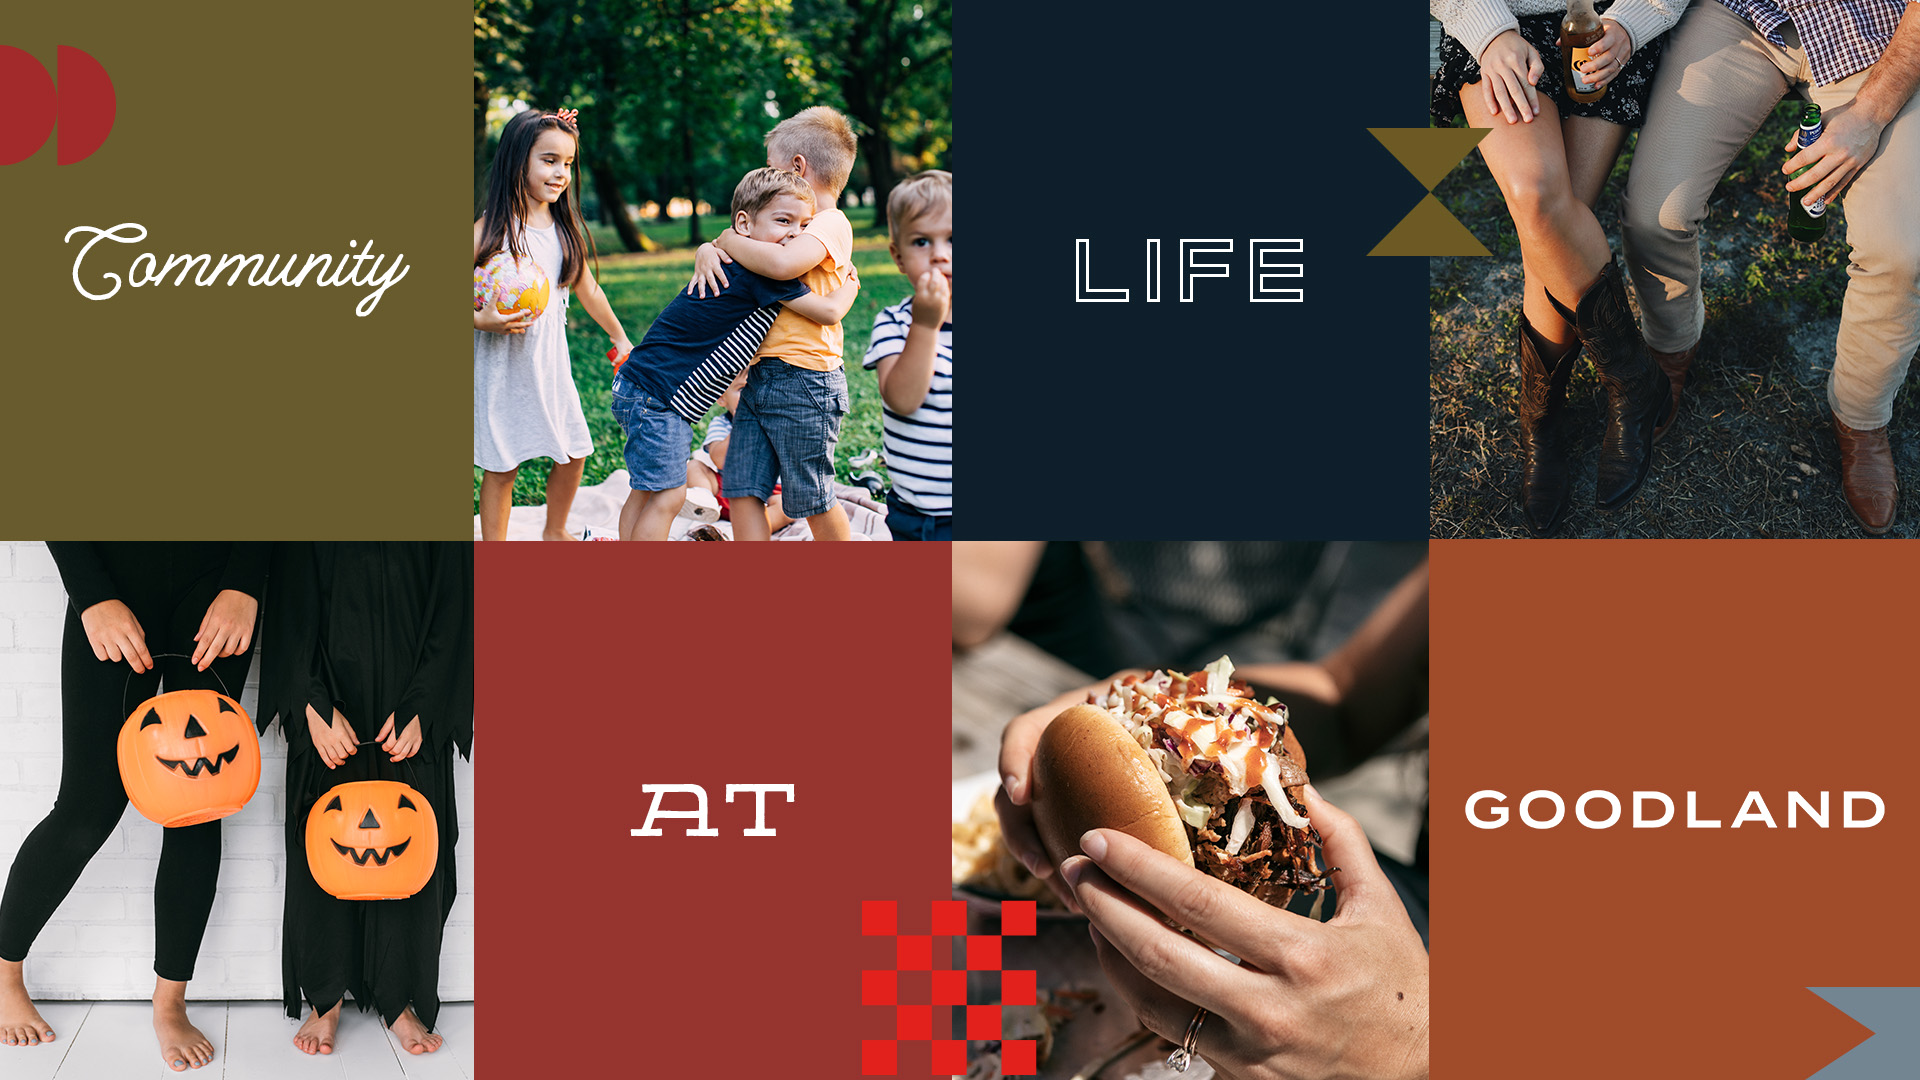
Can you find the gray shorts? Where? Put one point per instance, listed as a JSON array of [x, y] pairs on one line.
[[785, 429]]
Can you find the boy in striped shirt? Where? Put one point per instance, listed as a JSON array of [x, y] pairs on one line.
[[912, 348]]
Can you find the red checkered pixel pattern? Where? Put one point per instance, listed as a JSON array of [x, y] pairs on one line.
[[923, 1002]]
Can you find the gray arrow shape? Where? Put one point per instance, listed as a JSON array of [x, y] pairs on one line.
[[1892, 1013]]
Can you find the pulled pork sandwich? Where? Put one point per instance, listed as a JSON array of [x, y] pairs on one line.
[[1190, 764]]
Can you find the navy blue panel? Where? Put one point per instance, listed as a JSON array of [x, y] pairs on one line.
[[1218, 418]]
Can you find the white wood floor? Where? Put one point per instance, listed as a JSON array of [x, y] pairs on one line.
[[252, 1040]]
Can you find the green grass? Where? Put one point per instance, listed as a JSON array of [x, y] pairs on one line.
[[639, 286]]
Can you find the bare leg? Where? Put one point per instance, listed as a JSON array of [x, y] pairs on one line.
[[777, 518], [563, 483], [316, 1035], [1548, 326], [749, 518], [630, 511], [496, 502], [1561, 244], [413, 1035], [181, 1044], [831, 524], [20, 1022], [1592, 147], [655, 520]]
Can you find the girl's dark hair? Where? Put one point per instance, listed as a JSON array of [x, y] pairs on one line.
[[507, 197]]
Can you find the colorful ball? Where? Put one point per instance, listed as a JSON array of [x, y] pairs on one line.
[[511, 285]]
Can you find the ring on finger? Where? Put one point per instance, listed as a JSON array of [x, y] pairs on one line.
[[1183, 1057]]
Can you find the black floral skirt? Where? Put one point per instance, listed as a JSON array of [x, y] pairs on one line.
[[1624, 103]]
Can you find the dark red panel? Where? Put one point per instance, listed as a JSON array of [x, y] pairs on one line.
[[606, 667]]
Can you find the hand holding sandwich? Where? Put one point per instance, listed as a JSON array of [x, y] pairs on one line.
[[1014, 801], [1344, 998]]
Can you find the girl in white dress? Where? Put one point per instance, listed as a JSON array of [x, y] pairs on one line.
[[525, 404]]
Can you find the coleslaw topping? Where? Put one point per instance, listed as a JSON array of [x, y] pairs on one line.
[[1194, 725]]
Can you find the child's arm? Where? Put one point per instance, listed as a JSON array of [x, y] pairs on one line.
[[485, 317], [708, 258], [905, 376], [831, 308], [493, 322], [781, 262], [707, 275], [594, 299]]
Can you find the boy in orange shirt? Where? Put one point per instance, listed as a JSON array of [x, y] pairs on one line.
[[788, 421]]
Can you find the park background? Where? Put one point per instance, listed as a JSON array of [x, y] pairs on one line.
[[675, 100]]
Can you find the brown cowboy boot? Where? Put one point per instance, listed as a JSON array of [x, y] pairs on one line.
[[1546, 470], [1867, 477], [1639, 397], [1675, 364]]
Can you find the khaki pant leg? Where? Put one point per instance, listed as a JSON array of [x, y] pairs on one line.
[[1880, 318], [1717, 82]]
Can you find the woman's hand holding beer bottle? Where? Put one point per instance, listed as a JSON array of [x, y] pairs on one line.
[[1608, 57]]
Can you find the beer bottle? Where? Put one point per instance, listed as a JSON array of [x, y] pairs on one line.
[[1580, 29], [1806, 222]]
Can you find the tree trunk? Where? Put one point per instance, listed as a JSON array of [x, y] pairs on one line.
[[607, 187], [479, 144], [878, 150], [693, 186], [689, 93]]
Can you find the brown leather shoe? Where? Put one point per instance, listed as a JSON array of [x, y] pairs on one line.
[[1867, 477], [1675, 364]]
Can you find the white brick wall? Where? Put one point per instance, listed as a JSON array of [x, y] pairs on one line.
[[99, 944]]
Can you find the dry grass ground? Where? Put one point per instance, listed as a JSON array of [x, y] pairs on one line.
[[1753, 452]]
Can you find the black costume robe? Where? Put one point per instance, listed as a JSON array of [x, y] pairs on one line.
[[370, 629]]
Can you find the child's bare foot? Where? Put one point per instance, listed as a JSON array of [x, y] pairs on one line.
[[20, 1022], [414, 1035], [316, 1035], [551, 533], [181, 1044]]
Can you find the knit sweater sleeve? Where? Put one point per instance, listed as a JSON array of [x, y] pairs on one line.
[[1644, 20], [1474, 23]]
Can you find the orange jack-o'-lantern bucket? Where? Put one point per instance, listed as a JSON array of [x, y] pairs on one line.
[[372, 840], [188, 756]]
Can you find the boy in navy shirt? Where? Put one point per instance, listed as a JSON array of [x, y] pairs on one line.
[[696, 346]]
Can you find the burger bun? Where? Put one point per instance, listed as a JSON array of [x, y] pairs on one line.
[[1088, 773]]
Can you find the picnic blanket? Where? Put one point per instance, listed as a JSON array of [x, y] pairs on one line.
[[597, 509]]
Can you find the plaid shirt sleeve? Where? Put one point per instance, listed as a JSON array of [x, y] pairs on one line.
[[1840, 37]]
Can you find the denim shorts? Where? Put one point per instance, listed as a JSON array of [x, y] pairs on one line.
[[659, 440], [785, 429]]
